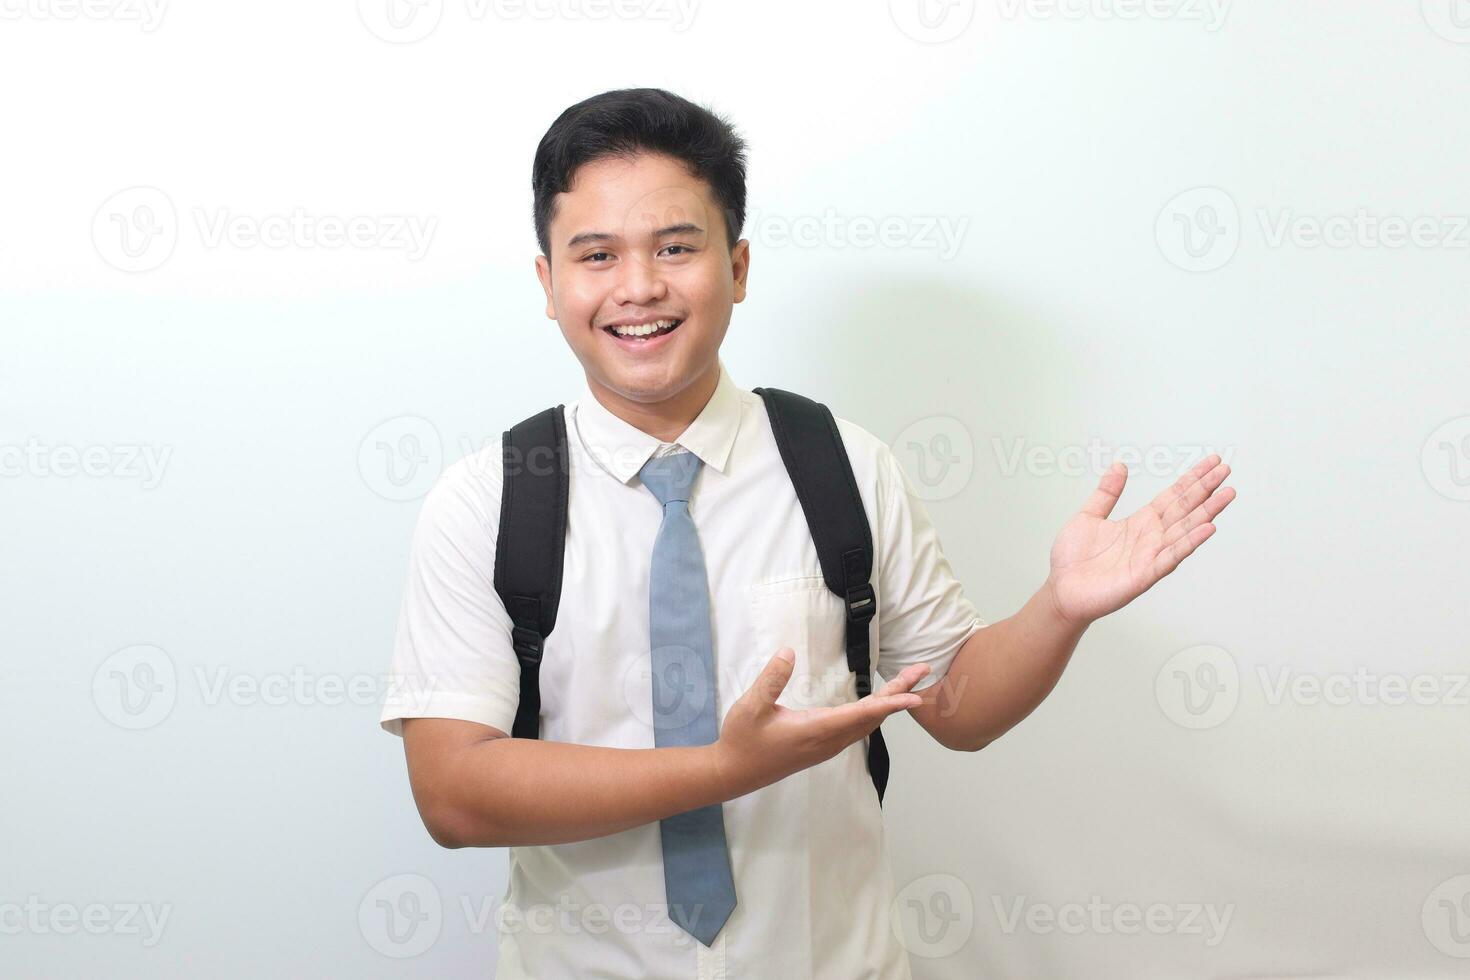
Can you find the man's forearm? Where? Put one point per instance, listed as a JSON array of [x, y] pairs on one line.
[[515, 791], [1002, 673]]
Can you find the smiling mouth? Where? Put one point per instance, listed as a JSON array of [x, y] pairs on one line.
[[645, 332]]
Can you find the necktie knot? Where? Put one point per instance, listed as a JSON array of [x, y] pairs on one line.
[[671, 477]]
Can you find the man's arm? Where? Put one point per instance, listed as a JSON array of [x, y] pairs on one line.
[[1001, 673], [476, 787]]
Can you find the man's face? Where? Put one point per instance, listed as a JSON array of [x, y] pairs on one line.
[[637, 241]]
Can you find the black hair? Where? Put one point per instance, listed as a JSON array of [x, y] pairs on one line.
[[626, 121]]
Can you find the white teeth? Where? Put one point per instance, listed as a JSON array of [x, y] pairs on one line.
[[644, 329]]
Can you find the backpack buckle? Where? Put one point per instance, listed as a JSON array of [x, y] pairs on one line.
[[862, 603], [528, 645]]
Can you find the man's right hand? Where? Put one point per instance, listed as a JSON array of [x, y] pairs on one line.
[[762, 742]]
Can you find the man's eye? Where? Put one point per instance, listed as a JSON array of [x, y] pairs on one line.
[[684, 247], [594, 255]]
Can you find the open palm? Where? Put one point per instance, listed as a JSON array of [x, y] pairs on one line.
[[1100, 565]]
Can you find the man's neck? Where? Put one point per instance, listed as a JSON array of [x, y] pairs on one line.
[[665, 420]]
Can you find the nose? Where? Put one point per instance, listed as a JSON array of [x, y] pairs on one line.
[[640, 283]]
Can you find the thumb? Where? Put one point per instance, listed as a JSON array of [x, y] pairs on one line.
[[772, 680], [1101, 501]]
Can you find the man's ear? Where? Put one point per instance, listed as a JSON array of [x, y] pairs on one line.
[[740, 266], [543, 273]]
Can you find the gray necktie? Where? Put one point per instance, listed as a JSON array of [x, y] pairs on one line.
[[697, 876]]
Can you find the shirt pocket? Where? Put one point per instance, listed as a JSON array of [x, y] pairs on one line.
[[803, 614]]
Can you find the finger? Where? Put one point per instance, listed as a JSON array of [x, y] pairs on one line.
[[1191, 495], [772, 680], [1170, 557], [1206, 511], [858, 718], [1167, 496], [905, 680], [1109, 488]]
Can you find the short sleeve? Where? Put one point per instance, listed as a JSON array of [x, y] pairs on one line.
[[923, 613], [452, 652]]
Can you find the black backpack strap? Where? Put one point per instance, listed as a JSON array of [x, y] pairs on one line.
[[817, 462], [530, 546]]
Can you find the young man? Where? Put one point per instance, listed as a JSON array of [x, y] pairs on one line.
[[754, 847]]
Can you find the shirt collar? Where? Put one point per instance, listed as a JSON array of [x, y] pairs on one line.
[[621, 448]]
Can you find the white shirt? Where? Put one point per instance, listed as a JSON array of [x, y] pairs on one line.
[[812, 879]]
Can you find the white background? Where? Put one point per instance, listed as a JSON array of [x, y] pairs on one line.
[[1185, 761]]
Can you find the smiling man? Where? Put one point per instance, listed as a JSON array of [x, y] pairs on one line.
[[646, 660]]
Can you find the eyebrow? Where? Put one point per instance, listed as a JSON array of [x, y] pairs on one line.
[[587, 237]]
